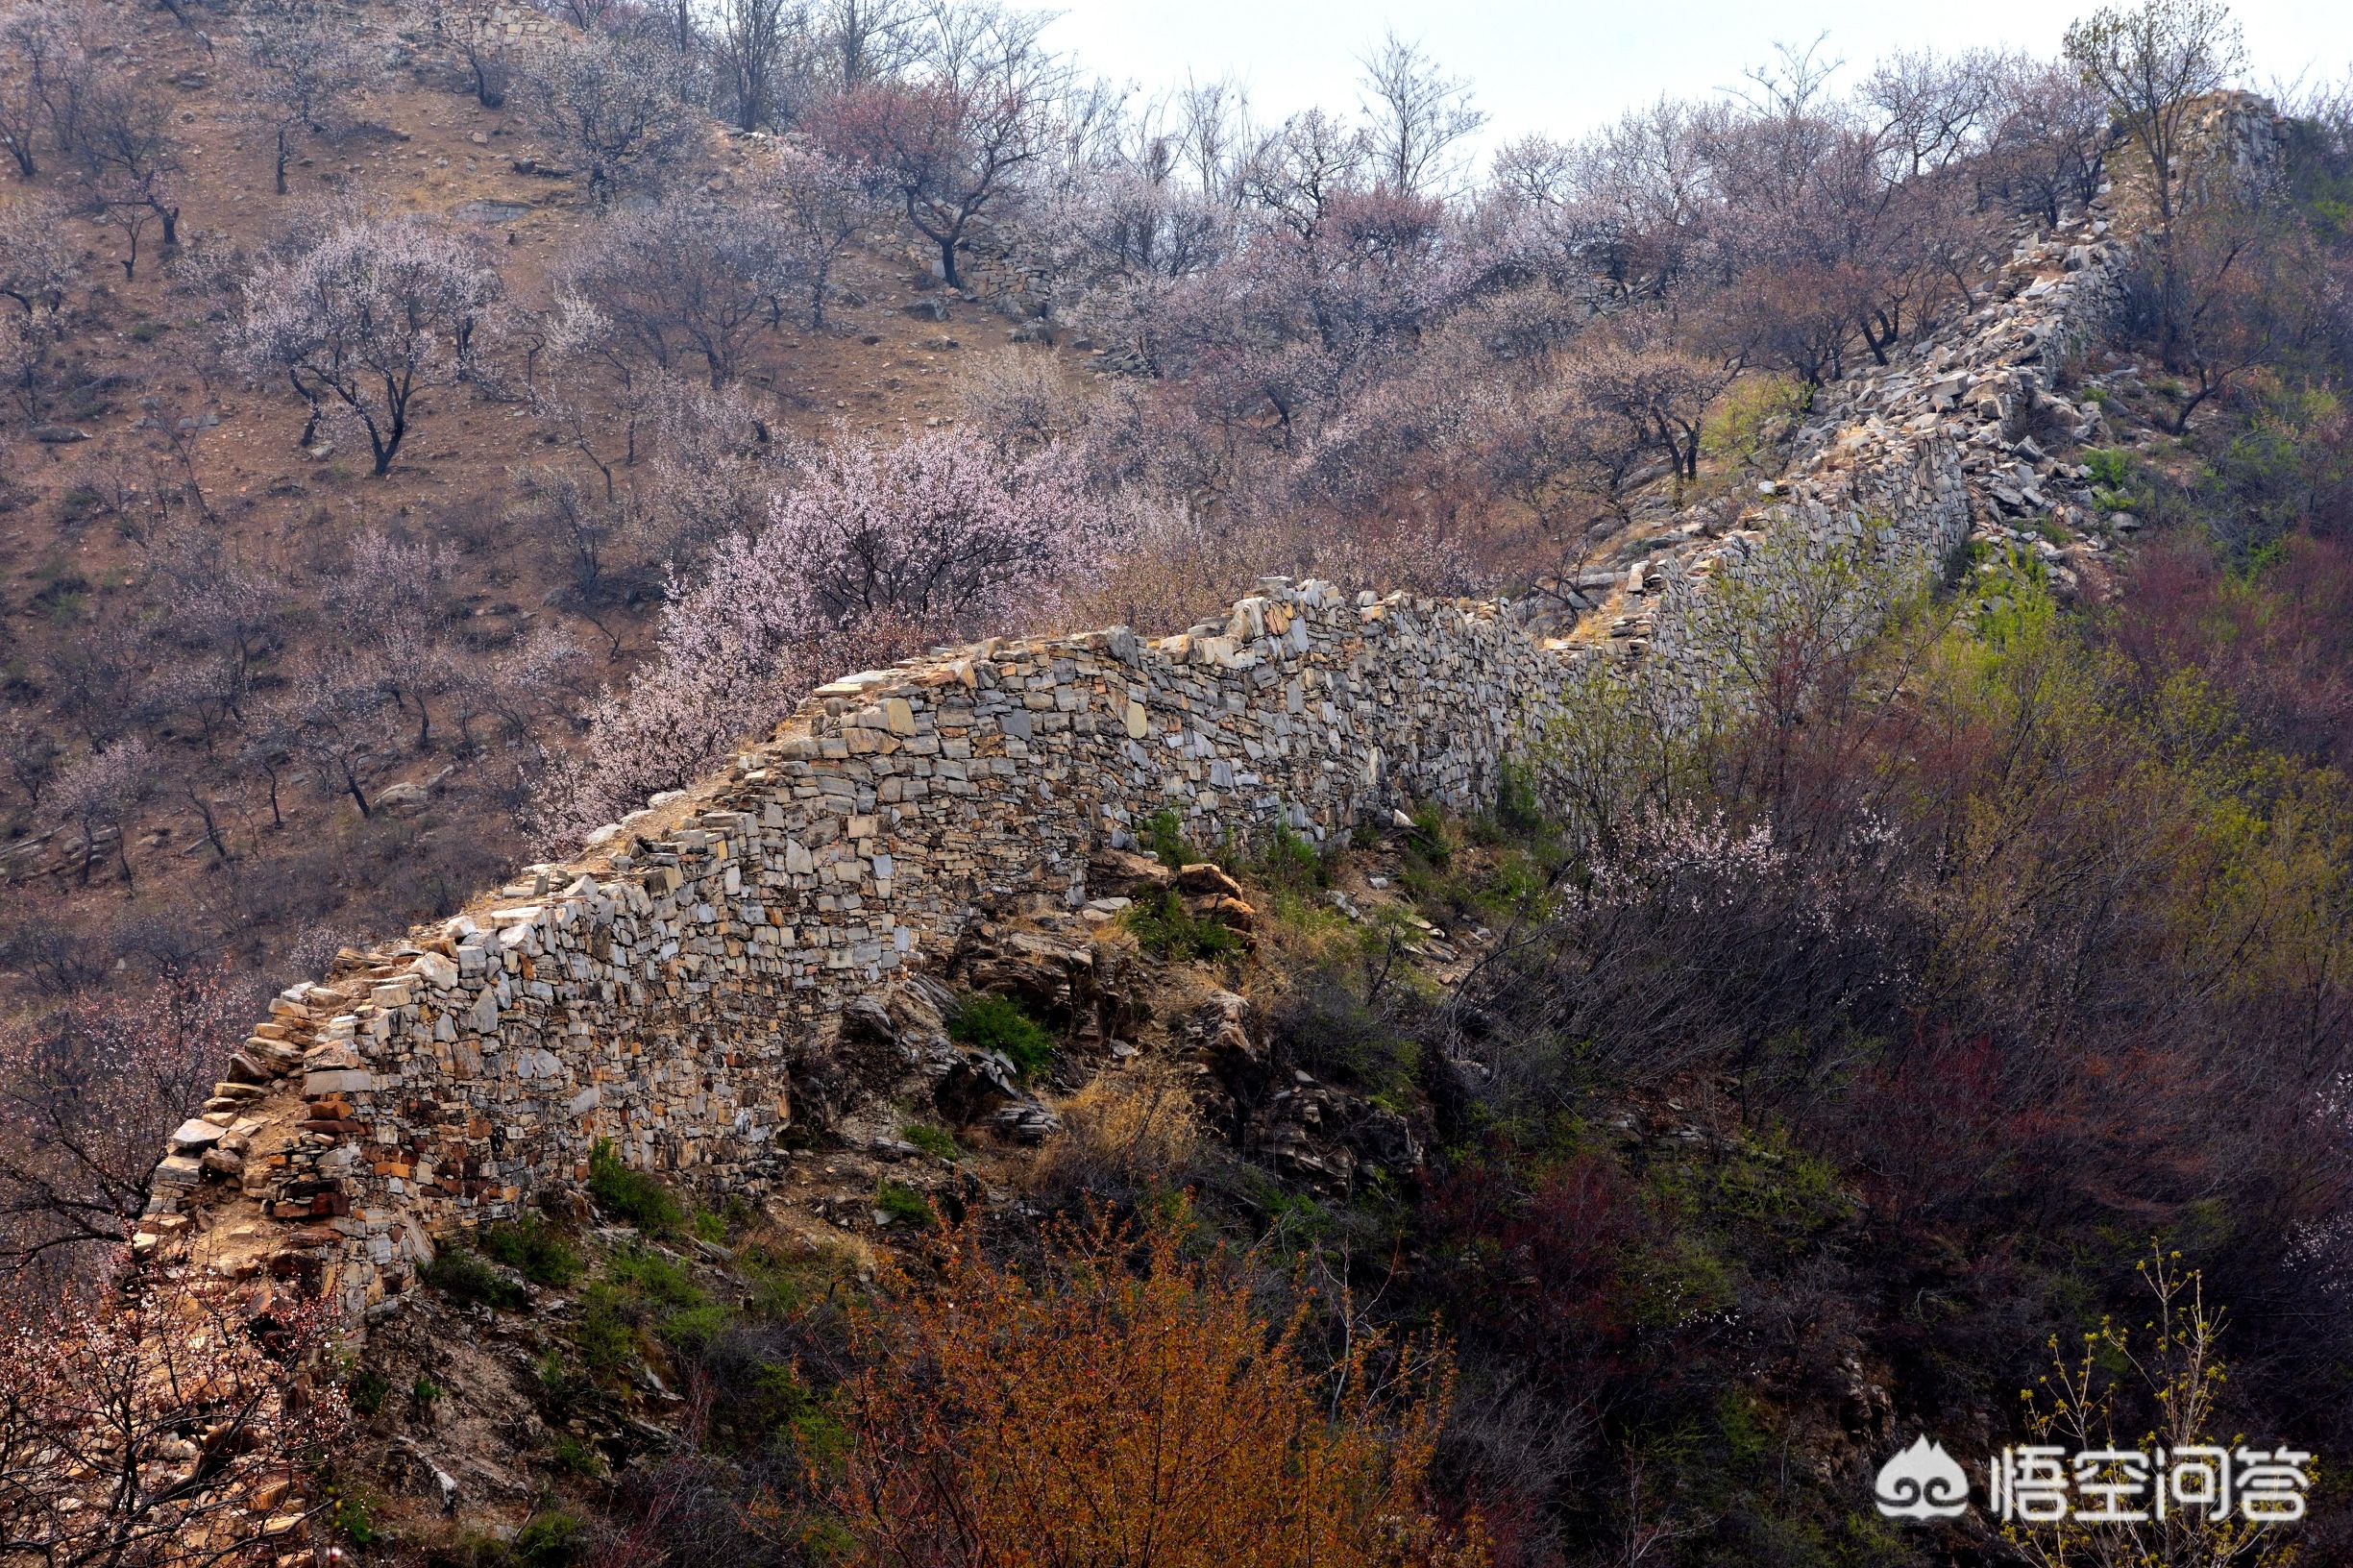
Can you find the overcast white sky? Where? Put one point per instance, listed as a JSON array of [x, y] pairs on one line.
[[1565, 68]]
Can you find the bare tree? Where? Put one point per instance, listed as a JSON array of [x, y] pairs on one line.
[[29, 754], [329, 721], [819, 203], [90, 1092], [949, 146], [37, 38], [1929, 110], [304, 63], [139, 1432], [375, 312], [760, 48], [96, 794], [687, 275], [1654, 388], [136, 175], [864, 42], [2153, 62], [464, 29], [584, 376], [393, 601], [578, 525], [2245, 285], [38, 267], [618, 107], [1417, 116], [2049, 144]]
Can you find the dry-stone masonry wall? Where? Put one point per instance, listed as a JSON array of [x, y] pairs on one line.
[[662, 989]]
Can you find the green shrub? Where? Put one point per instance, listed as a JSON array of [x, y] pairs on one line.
[[783, 1404], [532, 1248], [902, 1202], [633, 1197], [1164, 927], [1327, 1026], [642, 1289], [353, 1518], [783, 1286], [691, 1329], [1161, 835], [366, 1388], [937, 1142], [550, 1541], [572, 1454], [606, 1333], [424, 1392], [988, 1023], [1291, 862], [1429, 837], [708, 1226], [1750, 418], [462, 1272], [650, 1276]]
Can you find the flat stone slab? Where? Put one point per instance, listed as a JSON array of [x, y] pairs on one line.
[[193, 1134]]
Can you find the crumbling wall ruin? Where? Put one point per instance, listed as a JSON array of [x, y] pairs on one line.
[[664, 988]]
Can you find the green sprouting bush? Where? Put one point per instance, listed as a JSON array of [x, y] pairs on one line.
[[902, 1202], [662, 1282], [424, 1392], [932, 1141], [784, 1404], [986, 1021], [1750, 418], [640, 1289], [462, 1272], [366, 1388], [1290, 861], [1163, 837], [707, 1226], [1327, 1026], [1429, 837], [550, 1541], [578, 1457], [605, 1335], [532, 1247], [2110, 466], [1164, 927], [692, 1329], [353, 1516], [784, 1285], [631, 1196], [1518, 814]]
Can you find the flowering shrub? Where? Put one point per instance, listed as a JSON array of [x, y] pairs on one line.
[[879, 553]]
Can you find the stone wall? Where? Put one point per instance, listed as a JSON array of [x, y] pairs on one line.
[[664, 988]]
